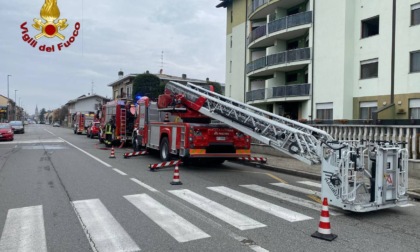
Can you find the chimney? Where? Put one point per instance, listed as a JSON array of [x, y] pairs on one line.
[[120, 74], [161, 71], [207, 80], [184, 76], [147, 72]]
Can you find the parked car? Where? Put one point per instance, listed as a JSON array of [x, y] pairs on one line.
[[6, 132], [17, 127], [56, 124], [93, 130]]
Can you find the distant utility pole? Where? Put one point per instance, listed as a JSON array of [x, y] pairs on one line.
[[91, 88]]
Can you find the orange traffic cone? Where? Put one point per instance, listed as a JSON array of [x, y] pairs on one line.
[[166, 118], [175, 180], [324, 228], [112, 153]]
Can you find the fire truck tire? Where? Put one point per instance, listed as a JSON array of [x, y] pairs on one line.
[[136, 143], [164, 149]]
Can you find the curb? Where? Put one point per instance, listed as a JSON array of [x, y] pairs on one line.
[[413, 195], [280, 169]]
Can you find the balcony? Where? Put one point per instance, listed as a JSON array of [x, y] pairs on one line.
[[283, 28], [285, 91], [258, 9], [285, 60]]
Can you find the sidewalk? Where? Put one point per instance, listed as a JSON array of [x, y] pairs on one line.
[[295, 167]]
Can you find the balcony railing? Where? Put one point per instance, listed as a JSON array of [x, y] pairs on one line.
[[258, 94], [279, 58], [290, 21], [279, 92], [255, 5], [257, 33], [291, 90], [281, 24]]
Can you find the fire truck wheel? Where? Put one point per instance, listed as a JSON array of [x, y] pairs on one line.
[[136, 143], [164, 149]]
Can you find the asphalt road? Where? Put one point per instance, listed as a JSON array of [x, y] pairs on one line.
[[61, 192]]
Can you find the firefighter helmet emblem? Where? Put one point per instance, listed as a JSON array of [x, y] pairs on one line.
[[50, 13]]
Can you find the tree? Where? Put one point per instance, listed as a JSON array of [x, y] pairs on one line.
[[147, 85], [42, 115], [217, 87], [64, 111]]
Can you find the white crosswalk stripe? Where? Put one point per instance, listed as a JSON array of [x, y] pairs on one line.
[[104, 230], [24, 230], [288, 197], [227, 215], [265, 206], [298, 189], [176, 226], [310, 183]]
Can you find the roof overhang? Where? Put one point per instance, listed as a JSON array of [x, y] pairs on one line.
[[224, 3]]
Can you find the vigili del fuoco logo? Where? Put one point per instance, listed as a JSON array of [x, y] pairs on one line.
[[50, 26]]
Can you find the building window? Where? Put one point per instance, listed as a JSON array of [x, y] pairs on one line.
[[414, 105], [369, 69], [231, 16], [230, 41], [128, 92], [291, 77], [414, 62], [370, 27], [415, 14], [366, 110], [324, 111], [230, 66]]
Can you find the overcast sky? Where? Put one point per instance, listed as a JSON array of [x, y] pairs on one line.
[[127, 34]]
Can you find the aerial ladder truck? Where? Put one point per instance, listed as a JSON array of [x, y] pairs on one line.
[[358, 176]]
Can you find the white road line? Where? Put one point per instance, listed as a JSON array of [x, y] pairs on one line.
[[120, 172], [176, 226], [24, 230], [310, 183], [87, 153], [265, 206], [144, 185], [297, 189], [406, 205], [228, 215], [288, 197], [36, 141], [254, 247], [104, 230]]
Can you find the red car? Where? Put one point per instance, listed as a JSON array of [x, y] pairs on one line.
[[6, 132], [93, 130]]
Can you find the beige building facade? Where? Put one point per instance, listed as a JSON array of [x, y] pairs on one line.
[[327, 59]]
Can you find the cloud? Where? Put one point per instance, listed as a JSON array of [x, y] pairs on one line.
[[128, 35]]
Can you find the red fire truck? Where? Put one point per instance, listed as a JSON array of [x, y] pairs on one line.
[[81, 122], [180, 131], [121, 113]]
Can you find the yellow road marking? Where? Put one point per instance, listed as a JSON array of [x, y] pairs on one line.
[[315, 198]]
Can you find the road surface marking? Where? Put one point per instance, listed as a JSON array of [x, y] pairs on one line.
[[287, 197], [176, 226], [251, 244], [227, 215], [144, 185], [120, 172], [44, 147], [310, 183], [104, 230], [406, 205], [314, 198], [35, 141], [50, 132], [298, 189], [87, 153], [265, 206], [24, 230]]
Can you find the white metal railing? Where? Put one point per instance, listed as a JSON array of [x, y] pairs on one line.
[[409, 134]]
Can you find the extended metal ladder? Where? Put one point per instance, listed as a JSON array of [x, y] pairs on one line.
[[123, 117], [290, 137]]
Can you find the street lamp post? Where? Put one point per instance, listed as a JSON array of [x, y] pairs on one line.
[[8, 85], [15, 104]]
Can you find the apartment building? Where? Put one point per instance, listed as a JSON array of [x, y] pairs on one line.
[[329, 59]]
